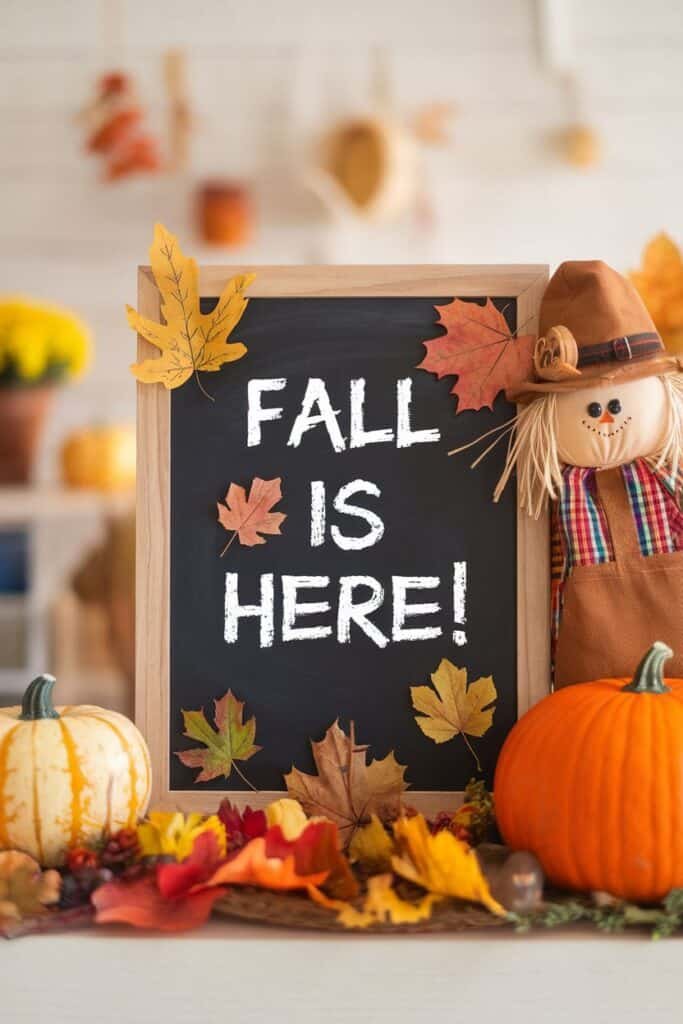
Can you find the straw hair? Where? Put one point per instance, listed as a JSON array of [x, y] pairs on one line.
[[670, 455], [533, 450]]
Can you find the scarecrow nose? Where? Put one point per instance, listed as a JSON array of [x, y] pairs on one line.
[[606, 417]]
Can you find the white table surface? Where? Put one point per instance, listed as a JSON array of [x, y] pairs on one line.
[[241, 974]]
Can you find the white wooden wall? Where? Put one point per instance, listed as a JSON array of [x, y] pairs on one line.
[[265, 76]]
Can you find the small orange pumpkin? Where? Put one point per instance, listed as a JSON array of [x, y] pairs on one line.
[[100, 458], [590, 781]]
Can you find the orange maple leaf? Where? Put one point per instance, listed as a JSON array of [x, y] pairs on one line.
[[480, 350], [253, 866], [250, 517]]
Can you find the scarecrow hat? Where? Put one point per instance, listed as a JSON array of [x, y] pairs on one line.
[[593, 327]]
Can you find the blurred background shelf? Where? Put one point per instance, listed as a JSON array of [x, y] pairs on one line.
[[64, 538], [21, 505]]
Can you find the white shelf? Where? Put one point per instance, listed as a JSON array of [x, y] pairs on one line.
[[60, 524], [296, 977], [20, 506]]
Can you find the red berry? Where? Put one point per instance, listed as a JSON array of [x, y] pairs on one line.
[[80, 858]]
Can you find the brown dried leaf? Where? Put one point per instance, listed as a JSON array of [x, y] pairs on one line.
[[346, 789]]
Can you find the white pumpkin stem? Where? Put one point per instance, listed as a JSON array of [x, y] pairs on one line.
[[37, 702]]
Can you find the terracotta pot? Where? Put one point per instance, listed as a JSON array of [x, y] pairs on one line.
[[224, 211], [22, 417]]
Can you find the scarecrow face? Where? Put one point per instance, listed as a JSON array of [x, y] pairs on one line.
[[611, 424]]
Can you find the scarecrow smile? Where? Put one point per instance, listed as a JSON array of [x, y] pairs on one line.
[[608, 432], [605, 416]]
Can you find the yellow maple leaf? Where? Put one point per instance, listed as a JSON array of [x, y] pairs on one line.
[[660, 284], [381, 905], [372, 846], [453, 707], [190, 341], [440, 863]]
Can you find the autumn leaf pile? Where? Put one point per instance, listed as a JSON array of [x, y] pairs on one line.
[[341, 838]]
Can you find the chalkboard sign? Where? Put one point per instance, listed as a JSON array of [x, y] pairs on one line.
[[390, 557]]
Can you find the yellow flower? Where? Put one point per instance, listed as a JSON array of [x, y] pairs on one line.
[[40, 341], [27, 349], [173, 834], [289, 815]]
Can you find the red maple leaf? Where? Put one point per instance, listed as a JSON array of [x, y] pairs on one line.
[[240, 826], [480, 350], [250, 517], [173, 897]]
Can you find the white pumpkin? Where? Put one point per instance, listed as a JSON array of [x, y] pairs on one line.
[[67, 774]]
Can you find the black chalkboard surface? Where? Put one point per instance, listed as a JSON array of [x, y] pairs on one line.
[[435, 512]]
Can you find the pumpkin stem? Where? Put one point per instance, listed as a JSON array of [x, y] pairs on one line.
[[37, 702], [649, 676]]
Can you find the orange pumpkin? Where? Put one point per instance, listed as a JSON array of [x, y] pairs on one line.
[[590, 781], [100, 458]]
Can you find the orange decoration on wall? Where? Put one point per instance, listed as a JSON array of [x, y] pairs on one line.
[[116, 129]]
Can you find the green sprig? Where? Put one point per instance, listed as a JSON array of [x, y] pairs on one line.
[[663, 920]]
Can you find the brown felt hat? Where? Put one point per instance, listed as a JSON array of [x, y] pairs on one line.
[[593, 326]]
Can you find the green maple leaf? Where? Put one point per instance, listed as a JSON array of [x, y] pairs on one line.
[[232, 740]]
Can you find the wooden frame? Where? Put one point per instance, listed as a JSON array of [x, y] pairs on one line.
[[526, 283]]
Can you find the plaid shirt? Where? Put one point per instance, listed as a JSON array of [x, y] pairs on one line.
[[580, 534]]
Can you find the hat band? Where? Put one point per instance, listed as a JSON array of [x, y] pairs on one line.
[[621, 350]]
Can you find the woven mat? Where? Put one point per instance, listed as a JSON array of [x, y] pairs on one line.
[[293, 910]]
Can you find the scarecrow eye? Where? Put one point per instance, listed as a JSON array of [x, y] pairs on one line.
[[594, 410], [614, 406]]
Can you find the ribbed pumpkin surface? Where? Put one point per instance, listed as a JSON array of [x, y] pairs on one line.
[[591, 781], [62, 780]]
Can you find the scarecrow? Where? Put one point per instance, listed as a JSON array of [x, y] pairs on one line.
[[600, 434]]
